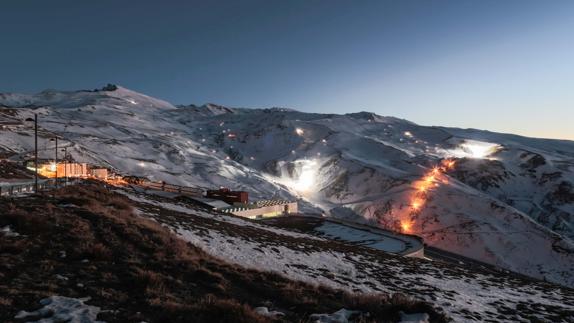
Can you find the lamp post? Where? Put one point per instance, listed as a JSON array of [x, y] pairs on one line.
[[65, 150], [56, 139], [35, 151]]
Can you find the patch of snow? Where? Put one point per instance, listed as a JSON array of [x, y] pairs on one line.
[[58, 309], [264, 311], [414, 318], [341, 316], [60, 277], [7, 231]]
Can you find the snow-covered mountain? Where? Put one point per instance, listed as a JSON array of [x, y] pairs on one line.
[[503, 199]]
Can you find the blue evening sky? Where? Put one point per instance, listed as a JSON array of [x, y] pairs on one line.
[[500, 65]]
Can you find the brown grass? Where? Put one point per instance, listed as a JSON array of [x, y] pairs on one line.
[[142, 271]]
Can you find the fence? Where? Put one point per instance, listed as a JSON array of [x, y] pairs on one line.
[[11, 189], [184, 190]]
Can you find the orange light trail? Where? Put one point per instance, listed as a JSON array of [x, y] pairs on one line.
[[422, 188]]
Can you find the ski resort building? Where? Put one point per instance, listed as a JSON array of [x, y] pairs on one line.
[[66, 169], [262, 209], [99, 173], [237, 203], [228, 196], [72, 169]]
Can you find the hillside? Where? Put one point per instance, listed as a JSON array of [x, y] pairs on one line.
[[503, 198], [89, 255], [121, 255]]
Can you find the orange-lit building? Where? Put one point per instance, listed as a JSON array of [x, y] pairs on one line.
[[99, 173], [73, 170]]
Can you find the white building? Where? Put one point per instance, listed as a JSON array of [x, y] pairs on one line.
[[262, 209]]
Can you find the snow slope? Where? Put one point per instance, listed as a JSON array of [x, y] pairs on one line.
[[507, 197], [463, 294]]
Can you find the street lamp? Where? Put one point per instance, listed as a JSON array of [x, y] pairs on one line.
[[65, 150], [35, 120], [56, 139]]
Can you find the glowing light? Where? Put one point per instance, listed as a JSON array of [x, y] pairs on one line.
[[448, 164], [53, 167], [324, 141], [422, 186], [141, 164], [299, 131], [474, 149], [429, 178], [302, 178], [408, 134], [306, 178], [418, 199], [406, 226], [417, 203]]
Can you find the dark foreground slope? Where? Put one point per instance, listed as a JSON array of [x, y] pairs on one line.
[[88, 242]]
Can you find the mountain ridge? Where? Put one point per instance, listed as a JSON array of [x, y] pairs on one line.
[[359, 166]]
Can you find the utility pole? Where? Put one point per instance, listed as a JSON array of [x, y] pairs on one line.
[[56, 162], [65, 150], [36, 153]]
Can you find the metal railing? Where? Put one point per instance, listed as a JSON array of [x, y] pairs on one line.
[[184, 190], [14, 189]]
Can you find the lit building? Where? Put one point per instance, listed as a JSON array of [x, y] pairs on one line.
[[262, 209], [99, 173], [228, 196], [72, 169], [66, 169]]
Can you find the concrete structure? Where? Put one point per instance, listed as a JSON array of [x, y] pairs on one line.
[[414, 245], [356, 234], [262, 209], [99, 173]]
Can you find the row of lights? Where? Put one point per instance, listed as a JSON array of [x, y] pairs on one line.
[[422, 188]]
